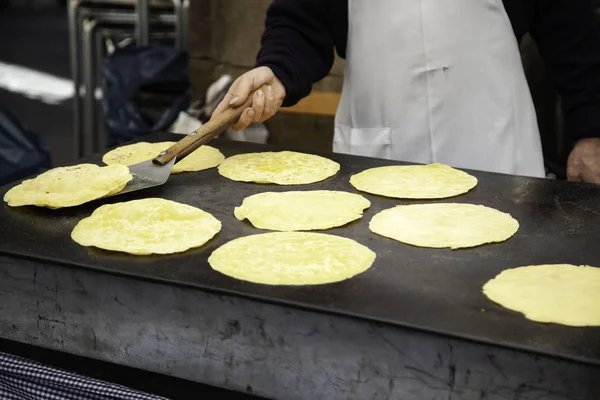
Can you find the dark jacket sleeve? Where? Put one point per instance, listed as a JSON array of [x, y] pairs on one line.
[[569, 40], [297, 44]]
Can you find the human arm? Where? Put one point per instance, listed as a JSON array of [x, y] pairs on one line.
[[568, 36], [296, 51]]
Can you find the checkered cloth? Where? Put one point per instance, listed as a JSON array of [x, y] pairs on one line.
[[22, 379]]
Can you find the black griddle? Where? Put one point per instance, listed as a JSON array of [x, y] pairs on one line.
[[432, 290]]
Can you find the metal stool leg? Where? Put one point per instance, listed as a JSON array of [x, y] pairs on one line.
[[101, 131], [184, 24], [89, 131], [75, 53], [178, 24], [142, 10]]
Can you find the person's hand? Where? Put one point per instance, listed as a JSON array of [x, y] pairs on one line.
[[584, 161], [264, 105]]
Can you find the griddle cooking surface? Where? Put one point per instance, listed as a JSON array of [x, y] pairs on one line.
[[433, 290]]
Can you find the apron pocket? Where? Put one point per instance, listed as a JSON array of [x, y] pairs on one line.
[[369, 142]]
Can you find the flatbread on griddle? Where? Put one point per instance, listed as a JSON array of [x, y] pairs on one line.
[[302, 210], [204, 157], [558, 293], [292, 258], [147, 226], [69, 186], [444, 225], [433, 181], [281, 168]]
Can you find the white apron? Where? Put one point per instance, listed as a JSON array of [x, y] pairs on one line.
[[437, 81]]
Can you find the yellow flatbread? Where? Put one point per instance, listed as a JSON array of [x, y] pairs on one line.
[[147, 226], [556, 293], [301, 211], [69, 186], [292, 258], [281, 168], [433, 181], [204, 157], [444, 225]]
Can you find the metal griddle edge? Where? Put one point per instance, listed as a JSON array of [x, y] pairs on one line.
[[437, 291]]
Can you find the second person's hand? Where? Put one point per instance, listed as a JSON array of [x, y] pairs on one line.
[[584, 161], [264, 105]]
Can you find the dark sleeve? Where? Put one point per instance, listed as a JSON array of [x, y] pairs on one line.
[[297, 44], [569, 40]]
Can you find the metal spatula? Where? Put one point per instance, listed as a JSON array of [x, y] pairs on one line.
[[155, 172]]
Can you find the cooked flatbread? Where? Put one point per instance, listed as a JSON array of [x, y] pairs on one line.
[[204, 157], [444, 225], [281, 168], [69, 186], [147, 226], [302, 210], [292, 258], [557, 293], [433, 181]]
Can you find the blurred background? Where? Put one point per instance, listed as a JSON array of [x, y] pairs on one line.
[[79, 76], [34, 38]]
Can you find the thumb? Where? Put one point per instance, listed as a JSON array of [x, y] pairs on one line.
[[246, 84], [573, 175], [574, 170]]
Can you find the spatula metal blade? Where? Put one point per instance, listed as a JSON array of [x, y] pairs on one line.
[[147, 174]]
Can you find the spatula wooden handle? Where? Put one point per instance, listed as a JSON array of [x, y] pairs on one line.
[[205, 133]]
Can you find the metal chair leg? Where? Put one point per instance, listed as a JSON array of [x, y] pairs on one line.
[[75, 53], [89, 131], [178, 23], [88, 138], [142, 10], [101, 131], [101, 33], [184, 24]]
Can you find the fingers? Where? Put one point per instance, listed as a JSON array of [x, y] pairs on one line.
[[271, 105], [258, 104], [245, 119], [246, 84], [573, 175], [591, 178], [583, 164], [265, 103], [574, 169], [242, 87], [273, 100], [236, 94], [590, 173], [255, 113], [251, 114], [275, 97], [223, 105]]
